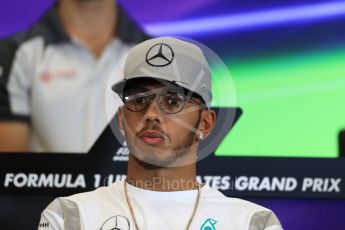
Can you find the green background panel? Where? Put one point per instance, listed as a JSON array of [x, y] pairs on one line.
[[293, 105]]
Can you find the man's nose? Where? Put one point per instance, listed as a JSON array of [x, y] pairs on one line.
[[153, 112]]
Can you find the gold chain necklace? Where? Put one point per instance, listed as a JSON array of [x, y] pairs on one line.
[[132, 211]]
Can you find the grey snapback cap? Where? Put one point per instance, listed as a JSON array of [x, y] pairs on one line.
[[169, 59]]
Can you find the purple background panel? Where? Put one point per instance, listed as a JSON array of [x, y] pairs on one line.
[[306, 214]]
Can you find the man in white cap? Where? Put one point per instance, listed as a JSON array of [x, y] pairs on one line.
[[166, 113]]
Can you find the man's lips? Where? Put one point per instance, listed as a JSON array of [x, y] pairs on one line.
[[152, 137]]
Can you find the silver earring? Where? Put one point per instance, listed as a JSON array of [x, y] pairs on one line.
[[122, 132], [201, 136]]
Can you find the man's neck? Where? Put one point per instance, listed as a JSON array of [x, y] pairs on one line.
[[93, 22], [161, 179]]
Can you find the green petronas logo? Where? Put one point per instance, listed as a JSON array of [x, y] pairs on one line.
[[209, 224]]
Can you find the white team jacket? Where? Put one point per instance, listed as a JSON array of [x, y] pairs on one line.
[[106, 209]]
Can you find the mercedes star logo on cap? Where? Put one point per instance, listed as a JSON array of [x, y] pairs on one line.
[[160, 55]]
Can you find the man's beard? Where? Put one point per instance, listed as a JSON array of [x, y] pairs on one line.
[[152, 163], [177, 152]]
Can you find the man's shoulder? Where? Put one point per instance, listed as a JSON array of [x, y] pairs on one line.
[[99, 195], [216, 196], [83, 201], [256, 216], [66, 212]]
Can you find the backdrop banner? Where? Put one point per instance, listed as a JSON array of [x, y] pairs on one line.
[[65, 174]]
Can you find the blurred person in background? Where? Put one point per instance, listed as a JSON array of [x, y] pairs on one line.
[[53, 76]]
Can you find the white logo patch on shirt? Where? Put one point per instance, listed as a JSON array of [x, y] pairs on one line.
[[65, 74]]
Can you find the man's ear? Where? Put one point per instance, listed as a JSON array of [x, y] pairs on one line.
[[207, 122]]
